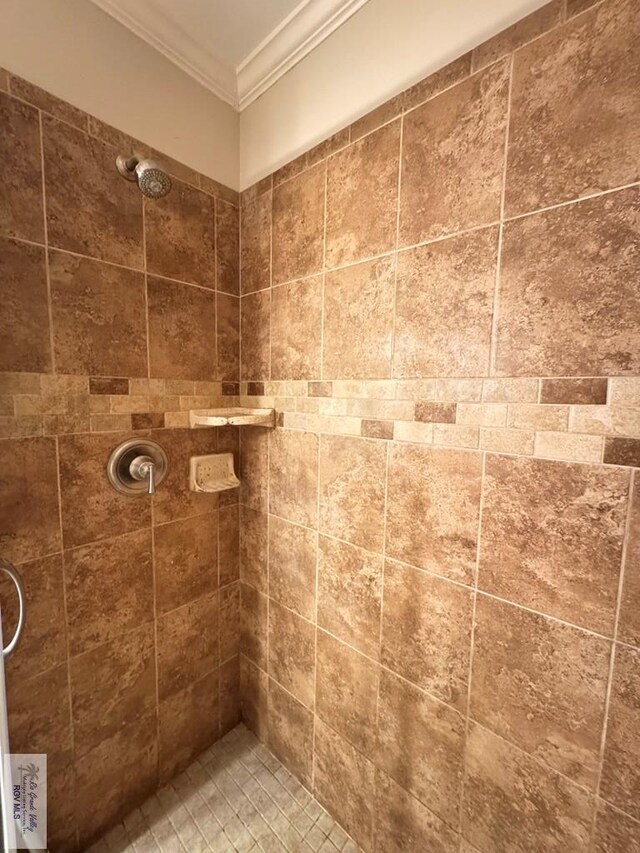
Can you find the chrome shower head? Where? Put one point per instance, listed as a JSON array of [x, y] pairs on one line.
[[150, 176]]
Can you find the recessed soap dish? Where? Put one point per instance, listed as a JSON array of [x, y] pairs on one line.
[[233, 416], [213, 473]]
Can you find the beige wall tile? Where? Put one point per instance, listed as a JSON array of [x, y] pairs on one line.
[[296, 329], [560, 445], [292, 653], [293, 476], [298, 225]]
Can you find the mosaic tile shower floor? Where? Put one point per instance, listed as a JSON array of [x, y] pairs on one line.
[[236, 796]]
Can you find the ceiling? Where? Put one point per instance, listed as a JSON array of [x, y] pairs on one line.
[[236, 48]]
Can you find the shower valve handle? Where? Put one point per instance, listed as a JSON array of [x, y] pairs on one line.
[[143, 468]]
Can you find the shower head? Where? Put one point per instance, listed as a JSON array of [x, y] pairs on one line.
[[150, 176]]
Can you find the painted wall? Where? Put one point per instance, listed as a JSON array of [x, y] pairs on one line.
[[385, 47], [74, 50]]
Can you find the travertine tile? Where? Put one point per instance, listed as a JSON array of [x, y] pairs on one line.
[[291, 732], [293, 471], [542, 685], [229, 621], [227, 337], [362, 197], [572, 447], [186, 560], [629, 620], [292, 652], [557, 266], [298, 225], [47, 102], [444, 305], [21, 205], [581, 391], [349, 594], [227, 248], [292, 566], [573, 94], [187, 645], [456, 140], [426, 631], [254, 544], [254, 697], [352, 490], [615, 832], [296, 329], [255, 324], [433, 507], [552, 535], [527, 29], [254, 626], [622, 451], [358, 321], [188, 722], [255, 243]]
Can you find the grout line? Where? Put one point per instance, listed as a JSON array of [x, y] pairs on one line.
[[46, 247]]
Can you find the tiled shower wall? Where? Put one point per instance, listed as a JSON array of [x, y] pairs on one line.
[[118, 314], [440, 543]]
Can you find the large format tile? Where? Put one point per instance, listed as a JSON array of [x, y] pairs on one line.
[[352, 490], [255, 243], [426, 632], [362, 197], [444, 306], [255, 332], [296, 329], [24, 312], [180, 235], [358, 321], [90, 208], [575, 94], [292, 646], [291, 732], [29, 499], [292, 566], [99, 317], [254, 548], [21, 208], [453, 156], [227, 337], [421, 745], [569, 290], [542, 685], [186, 560], [433, 505], [293, 467], [349, 594], [298, 225], [254, 697], [254, 625], [615, 832], [552, 535], [629, 624], [187, 645], [109, 589], [229, 622], [227, 248], [512, 802], [182, 322], [228, 544], [188, 722]]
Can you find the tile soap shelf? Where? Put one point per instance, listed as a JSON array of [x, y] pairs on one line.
[[233, 416]]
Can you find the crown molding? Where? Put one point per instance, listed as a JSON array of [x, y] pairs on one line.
[[298, 34], [309, 24], [173, 43]]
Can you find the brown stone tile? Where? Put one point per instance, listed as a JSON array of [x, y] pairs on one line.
[[615, 832], [512, 802], [228, 337], [21, 207], [552, 535], [376, 118], [90, 208], [43, 643], [620, 783], [437, 82], [314, 155], [320, 389], [117, 775], [91, 508], [47, 102], [254, 468], [573, 92], [433, 507], [254, 543], [99, 317], [575, 7], [173, 498], [28, 499], [296, 329], [187, 640], [255, 244], [298, 225], [542, 685], [112, 686], [629, 619], [188, 723], [444, 306], [147, 420], [292, 653], [440, 413], [421, 745], [255, 322], [349, 594], [227, 248], [228, 544], [347, 693], [362, 197], [344, 783], [377, 429], [108, 385], [181, 330], [254, 625], [358, 321], [404, 825], [293, 469], [39, 714], [352, 490], [568, 293], [426, 632], [290, 734], [229, 621], [254, 691], [525, 30], [574, 391], [186, 560], [24, 313], [622, 451], [180, 235], [115, 137], [230, 710], [292, 565], [109, 589], [470, 120]]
